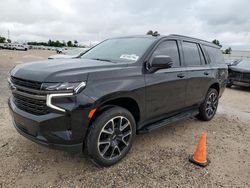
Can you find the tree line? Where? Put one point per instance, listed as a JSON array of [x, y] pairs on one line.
[[3, 40], [56, 43], [51, 43]]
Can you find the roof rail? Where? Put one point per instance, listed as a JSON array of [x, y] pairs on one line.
[[176, 35]]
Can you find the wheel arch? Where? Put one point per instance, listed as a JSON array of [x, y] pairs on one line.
[[128, 103], [216, 86]]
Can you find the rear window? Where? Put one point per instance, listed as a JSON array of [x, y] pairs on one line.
[[215, 55]]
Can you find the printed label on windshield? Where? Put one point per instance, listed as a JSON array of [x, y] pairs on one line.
[[132, 57]]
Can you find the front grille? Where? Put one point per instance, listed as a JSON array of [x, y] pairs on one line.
[[28, 97], [33, 106], [246, 76], [236, 75], [26, 83]]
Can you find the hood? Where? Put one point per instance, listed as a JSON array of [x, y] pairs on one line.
[[63, 70], [62, 56], [239, 69]]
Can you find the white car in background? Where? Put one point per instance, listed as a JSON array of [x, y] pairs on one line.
[[70, 54], [19, 47]]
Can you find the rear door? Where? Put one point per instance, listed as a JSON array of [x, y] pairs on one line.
[[166, 88], [198, 71]]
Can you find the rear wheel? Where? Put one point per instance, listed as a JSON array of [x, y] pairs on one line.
[[111, 136], [209, 106]]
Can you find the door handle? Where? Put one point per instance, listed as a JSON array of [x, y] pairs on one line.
[[181, 75], [206, 73]]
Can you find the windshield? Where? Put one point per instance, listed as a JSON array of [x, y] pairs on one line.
[[244, 64], [77, 51], [120, 49]]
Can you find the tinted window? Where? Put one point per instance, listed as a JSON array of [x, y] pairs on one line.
[[215, 55], [191, 53], [169, 48], [128, 49]]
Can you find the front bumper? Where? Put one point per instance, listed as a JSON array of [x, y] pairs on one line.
[[239, 82], [239, 78], [65, 131]]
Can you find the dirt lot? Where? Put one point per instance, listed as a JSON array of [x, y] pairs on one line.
[[157, 159]]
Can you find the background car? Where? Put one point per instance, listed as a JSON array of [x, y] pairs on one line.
[[231, 62], [70, 54], [19, 47], [61, 50], [239, 74]]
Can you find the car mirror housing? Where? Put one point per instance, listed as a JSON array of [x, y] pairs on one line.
[[161, 62]]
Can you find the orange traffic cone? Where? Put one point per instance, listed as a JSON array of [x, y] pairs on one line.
[[199, 157]]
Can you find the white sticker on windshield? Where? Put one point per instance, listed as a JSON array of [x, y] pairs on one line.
[[132, 57]]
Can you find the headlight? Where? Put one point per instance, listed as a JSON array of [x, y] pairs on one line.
[[63, 90], [74, 87]]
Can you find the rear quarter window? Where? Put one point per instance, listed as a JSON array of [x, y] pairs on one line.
[[215, 55]]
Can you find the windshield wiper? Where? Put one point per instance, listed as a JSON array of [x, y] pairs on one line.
[[99, 59]]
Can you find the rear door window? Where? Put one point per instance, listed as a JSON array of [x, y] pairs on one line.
[[215, 55], [191, 54], [168, 48]]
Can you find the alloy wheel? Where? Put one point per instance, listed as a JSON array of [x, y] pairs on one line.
[[114, 137], [211, 105]]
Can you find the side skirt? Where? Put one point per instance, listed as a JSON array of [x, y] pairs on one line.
[[164, 122]]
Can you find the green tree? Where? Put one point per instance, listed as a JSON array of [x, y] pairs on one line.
[[150, 32], [228, 50], [2, 39], [69, 44], [75, 43], [217, 42], [49, 43], [58, 44], [8, 40]]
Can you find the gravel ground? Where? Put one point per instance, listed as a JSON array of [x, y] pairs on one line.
[[157, 159]]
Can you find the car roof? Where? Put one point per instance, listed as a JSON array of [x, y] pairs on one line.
[[173, 36]]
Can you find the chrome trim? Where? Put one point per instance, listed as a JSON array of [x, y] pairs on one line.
[[56, 95], [38, 97], [29, 89], [81, 85], [41, 92]]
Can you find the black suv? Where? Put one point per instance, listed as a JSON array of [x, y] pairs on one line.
[[120, 88]]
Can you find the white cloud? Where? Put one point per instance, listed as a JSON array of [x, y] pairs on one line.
[[95, 20]]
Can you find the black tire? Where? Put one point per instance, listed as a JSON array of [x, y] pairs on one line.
[[106, 145], [229, 83], [208, 108]]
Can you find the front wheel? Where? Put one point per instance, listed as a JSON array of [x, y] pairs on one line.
[[208, 108], [111, 136], [229, 83]]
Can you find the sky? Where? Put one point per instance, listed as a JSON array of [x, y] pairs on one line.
[[91, 21]]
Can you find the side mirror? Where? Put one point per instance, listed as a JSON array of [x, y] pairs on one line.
[[161, 62]]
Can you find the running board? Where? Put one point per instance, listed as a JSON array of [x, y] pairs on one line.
[[162, 123]]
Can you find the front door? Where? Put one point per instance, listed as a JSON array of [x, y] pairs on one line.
[[166, 88]]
